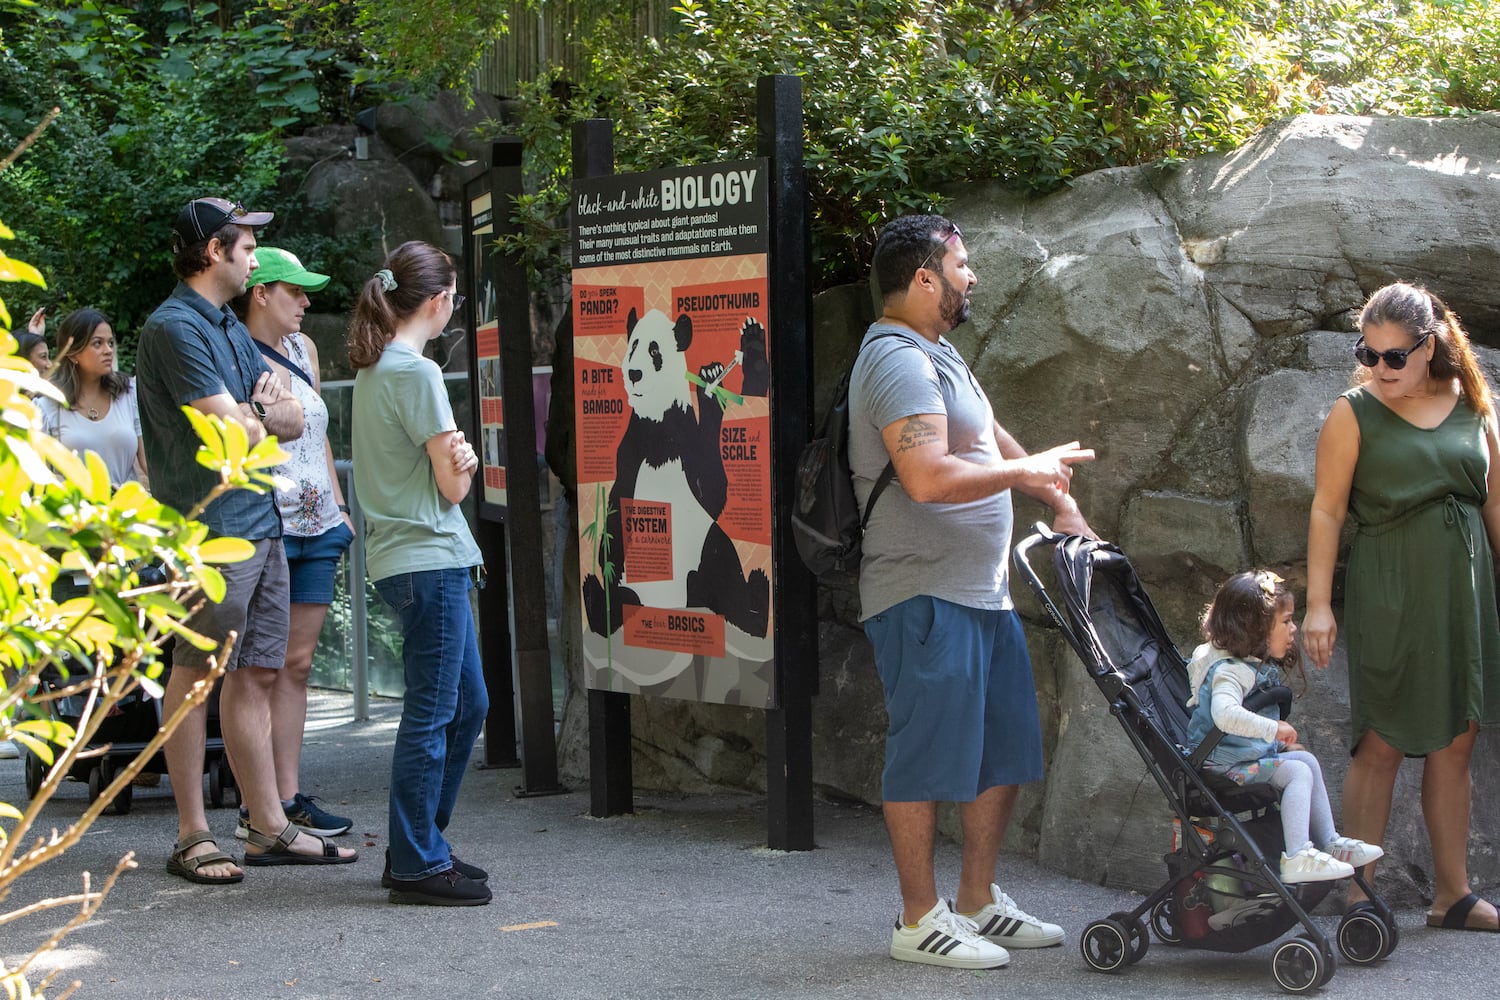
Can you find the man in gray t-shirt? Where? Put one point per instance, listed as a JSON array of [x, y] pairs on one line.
[[935, 598]]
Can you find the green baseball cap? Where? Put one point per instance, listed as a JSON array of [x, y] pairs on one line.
[[281, 265]]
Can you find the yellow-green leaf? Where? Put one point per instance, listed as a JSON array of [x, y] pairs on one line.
[[212, 582], [18, 270], [225, 550], [73, 469]]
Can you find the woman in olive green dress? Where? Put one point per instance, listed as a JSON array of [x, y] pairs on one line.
[[1413, 454]]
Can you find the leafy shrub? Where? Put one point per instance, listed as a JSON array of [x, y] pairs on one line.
[[903, 98], [99, 643]]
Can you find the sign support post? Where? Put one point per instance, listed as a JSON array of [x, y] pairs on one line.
[[789, 815], [611, 776]]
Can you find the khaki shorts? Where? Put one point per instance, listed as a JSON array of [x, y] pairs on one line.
[[255, 607]]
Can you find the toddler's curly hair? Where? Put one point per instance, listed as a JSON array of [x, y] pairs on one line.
[[1240, 618]]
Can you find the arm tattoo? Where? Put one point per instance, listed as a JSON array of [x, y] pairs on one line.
[[916, 433]]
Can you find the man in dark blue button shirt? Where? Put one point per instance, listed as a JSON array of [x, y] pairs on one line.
[[194, 352]]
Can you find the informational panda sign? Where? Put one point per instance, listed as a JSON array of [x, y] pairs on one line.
[[672, 380], [491, 403]]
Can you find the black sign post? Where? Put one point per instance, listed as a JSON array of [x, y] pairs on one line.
[[611, 791], [789, 725], [510, 506]]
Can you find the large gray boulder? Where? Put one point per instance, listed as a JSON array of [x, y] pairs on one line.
[[366, 208], [1193, 324]]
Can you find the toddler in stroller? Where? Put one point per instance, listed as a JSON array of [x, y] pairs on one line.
[[1224, 891], [1251, 640]]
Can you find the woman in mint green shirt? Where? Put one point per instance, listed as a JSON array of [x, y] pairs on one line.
[[412, 469]]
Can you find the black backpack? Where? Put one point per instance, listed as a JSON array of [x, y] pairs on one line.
[[825, 517]]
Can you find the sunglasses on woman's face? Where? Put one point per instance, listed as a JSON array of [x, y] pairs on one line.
[[1395, 358]]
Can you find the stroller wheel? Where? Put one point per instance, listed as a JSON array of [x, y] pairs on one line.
[[1367, 933], [1106, 945], [1299, 966], [1140, 941], [1164, 922], [1362, 938], [217, 769], [36, 773]]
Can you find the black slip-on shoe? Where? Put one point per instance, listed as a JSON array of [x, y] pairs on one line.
[[446, 888], [465, 869]]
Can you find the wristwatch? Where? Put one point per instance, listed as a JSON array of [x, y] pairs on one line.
[[260, 410]]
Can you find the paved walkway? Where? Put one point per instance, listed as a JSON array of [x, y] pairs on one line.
[[679, 900]]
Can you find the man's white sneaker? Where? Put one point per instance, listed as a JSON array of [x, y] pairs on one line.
[[1353, 852], [1311, 865], [942, 937], [1003, 922]]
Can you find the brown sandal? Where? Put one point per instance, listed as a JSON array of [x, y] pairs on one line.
[[185, 867], [278, 850]]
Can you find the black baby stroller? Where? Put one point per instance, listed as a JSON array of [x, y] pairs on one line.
[[1223, 891], [122, 735]]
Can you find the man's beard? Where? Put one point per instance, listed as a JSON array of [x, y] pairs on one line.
[[954, 306]]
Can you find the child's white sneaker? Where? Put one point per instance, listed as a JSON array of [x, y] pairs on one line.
[[1311, 865], [1353, 852], [942, 937]]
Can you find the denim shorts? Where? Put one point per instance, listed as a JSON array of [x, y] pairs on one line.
[[254, 605], [960, 698], [313, 561]]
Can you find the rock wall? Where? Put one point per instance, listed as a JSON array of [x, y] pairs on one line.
[[418, 155], [1192, 323]]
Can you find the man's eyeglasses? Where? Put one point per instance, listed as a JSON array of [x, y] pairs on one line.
[[939, 244], [1395, 358]]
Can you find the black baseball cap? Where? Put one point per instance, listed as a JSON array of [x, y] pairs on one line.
[[205, 216]]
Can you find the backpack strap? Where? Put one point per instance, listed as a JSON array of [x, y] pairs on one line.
[[886, 475], [889, 472]]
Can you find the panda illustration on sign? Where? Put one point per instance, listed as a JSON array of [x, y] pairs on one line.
[[669, 453]]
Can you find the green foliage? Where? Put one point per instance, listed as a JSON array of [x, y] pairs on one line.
[[77, 607], [903, 98], [1411, 57], [427, 46], [146, 124]]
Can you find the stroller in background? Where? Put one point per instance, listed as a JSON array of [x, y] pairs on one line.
[[122, 735], [1223, 891]]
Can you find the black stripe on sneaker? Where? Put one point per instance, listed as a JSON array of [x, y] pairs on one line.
[[933, 941], [1008, 926], [951, 945], [989, 927]]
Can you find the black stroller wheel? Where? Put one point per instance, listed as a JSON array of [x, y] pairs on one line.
[[1140, 941], [121, 805], [36, 773], [1106, 945], [1298, 966], [1164, 922], [1362, 937]]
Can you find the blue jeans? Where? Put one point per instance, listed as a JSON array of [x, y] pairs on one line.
[[441, 717]]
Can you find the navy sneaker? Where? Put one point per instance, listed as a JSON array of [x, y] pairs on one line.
[[305, 813]]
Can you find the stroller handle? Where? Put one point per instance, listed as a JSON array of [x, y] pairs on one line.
[[1021, 557]]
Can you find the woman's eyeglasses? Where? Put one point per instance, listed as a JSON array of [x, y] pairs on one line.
[[1395, 358]]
